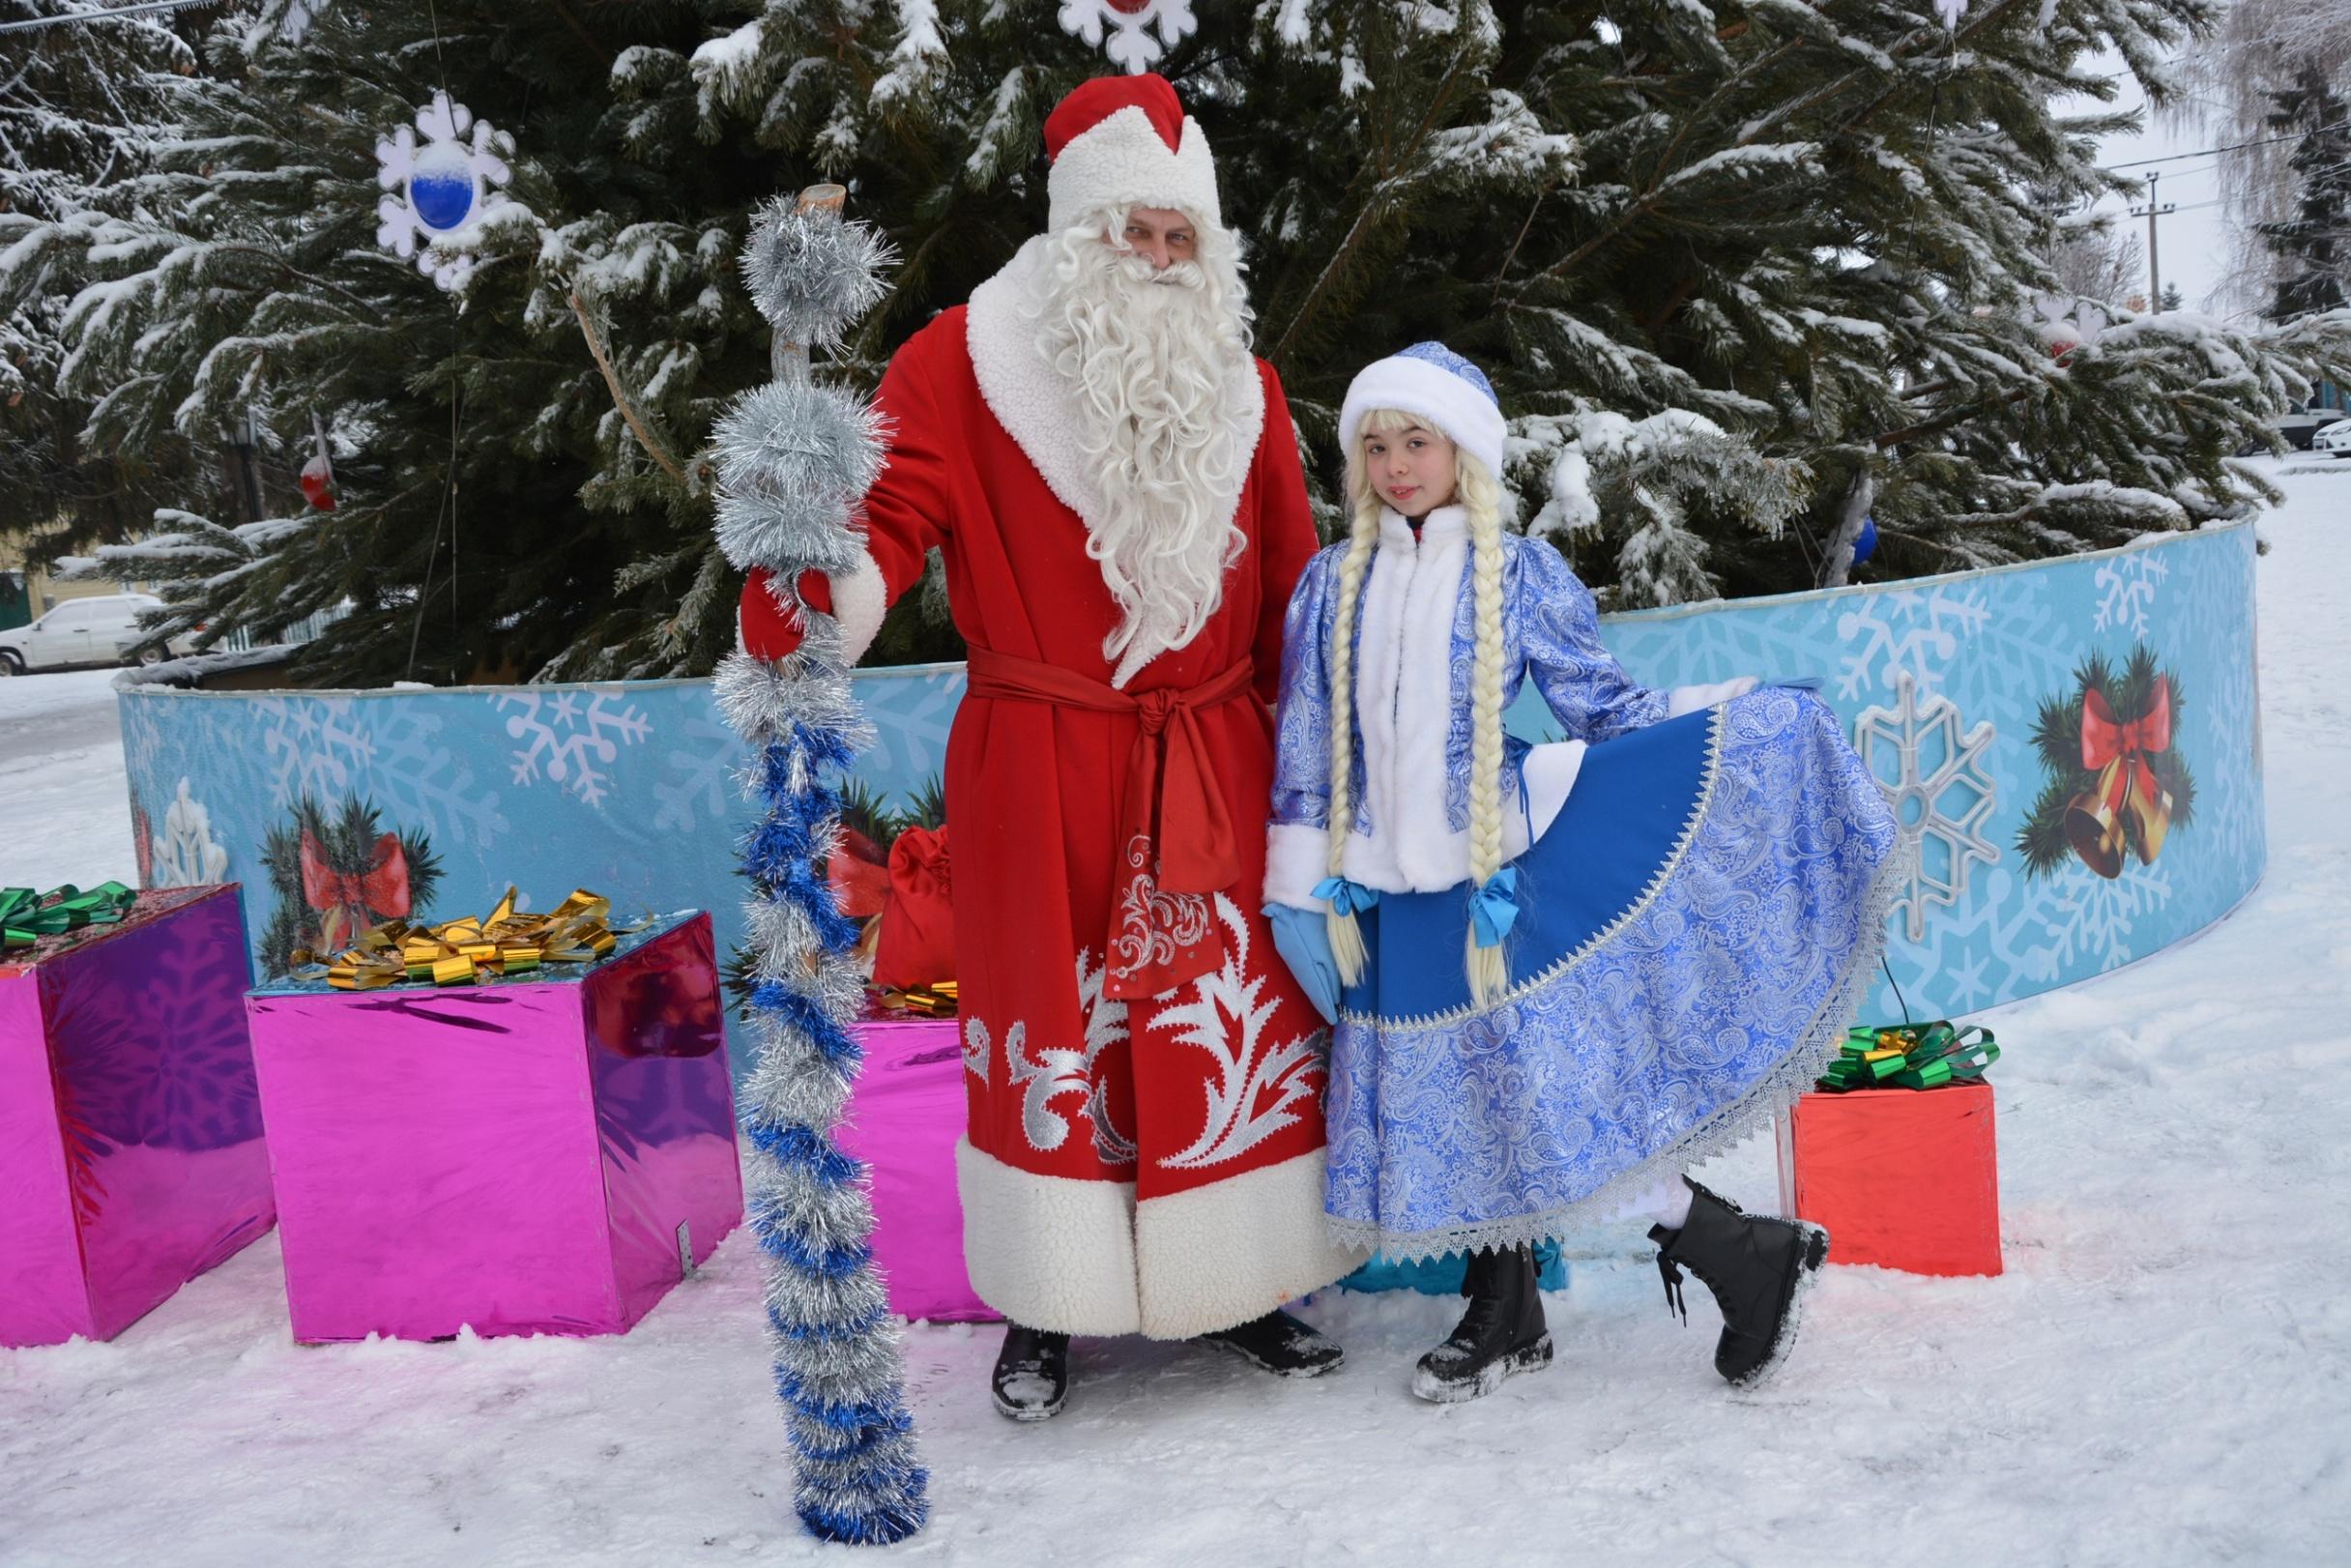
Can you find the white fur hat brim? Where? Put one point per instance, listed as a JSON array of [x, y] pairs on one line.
[[1122, 161], [1453, 407]]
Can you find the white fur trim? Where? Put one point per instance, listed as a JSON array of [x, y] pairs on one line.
[[1690, 699], [1054, 1253], [1453, 406], [859, 601], [1120, 161], [1049, 1252], [1235, 1249], [1296, 858]]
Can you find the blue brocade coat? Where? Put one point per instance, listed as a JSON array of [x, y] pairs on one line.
[[1702, 878]]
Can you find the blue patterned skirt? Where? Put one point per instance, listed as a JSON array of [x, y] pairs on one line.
[[1695, 929]]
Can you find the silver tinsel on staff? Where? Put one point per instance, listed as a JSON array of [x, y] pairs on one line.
[[793, 460]]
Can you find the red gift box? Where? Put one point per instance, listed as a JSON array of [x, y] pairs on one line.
[[1904, 1179]]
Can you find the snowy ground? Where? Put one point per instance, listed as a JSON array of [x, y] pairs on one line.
[[2164, 1374], [65, 813]]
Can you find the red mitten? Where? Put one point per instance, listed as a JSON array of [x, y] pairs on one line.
[[769, 630]]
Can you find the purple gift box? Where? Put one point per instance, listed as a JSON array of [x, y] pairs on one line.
[[540, 1155], [131, 1147], [904, 1118]]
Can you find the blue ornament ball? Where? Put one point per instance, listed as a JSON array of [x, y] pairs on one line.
[[1865, 543], [441, 186]]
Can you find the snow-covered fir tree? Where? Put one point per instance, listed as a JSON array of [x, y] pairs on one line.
[[2313, 245], [81, 109], [1747, 272], [519, 492], [2230, 82]]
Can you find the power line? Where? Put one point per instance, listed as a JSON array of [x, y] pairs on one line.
[[2233, 147], [147, 7]]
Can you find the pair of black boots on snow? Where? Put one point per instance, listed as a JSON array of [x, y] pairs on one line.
[[1031, 1378], [1757, 1267]]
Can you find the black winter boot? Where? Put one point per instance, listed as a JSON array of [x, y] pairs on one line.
[[1282, 1345], [1757, 1268], [1501, 1333], [1031, 1378]]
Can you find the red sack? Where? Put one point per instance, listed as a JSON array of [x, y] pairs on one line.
[[917, 945]]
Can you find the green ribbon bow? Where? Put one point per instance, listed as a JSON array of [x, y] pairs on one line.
[[1907, 1056], [26, 917]]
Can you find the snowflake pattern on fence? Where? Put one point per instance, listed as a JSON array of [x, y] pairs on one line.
[[2126, 592], [567, 734], [315, 747], [1885, 636], [389, 751], [702, 777], [1941, 790], [2091, 919]]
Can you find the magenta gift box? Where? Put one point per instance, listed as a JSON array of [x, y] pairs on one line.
[[904, 1118], [538, 1155], [131, 1152]]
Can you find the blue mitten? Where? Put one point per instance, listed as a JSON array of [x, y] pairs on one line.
[[1303, 940]]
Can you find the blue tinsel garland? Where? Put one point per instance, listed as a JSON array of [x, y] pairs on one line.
[[857, 1479]]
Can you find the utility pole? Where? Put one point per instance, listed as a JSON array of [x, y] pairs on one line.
[[2151, 211]]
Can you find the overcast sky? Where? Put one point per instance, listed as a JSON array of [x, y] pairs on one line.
[[2193, 242]]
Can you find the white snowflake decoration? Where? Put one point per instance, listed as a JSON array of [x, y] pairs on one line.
[[442, 190], [2065, 324], [1951, 11], [1917, 793], [567, 736], [185, 854], [1130, 48]]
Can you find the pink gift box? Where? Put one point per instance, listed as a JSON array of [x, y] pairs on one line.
[[131, 1149], [540, 1155], [902, 1122]]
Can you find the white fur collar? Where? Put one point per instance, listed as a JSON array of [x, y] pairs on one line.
[[1031, 402], [1445, 525]]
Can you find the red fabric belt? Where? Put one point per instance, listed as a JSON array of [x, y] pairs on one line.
[[1175, 842]]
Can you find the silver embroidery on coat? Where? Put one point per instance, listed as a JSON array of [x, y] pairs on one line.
[[1152, 924], [1251, 1096], [1051, 1073]]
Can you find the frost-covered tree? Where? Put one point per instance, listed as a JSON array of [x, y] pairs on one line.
[[81, 107], [2260, 47], [519, 491], [2312, 246], [1746, 272]]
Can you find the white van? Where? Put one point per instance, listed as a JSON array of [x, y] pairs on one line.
[[86, 631]]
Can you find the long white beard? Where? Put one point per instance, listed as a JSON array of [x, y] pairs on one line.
[[1150, 359]]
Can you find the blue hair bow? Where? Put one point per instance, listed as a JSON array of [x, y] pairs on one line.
[[1494, 909], [1346, 897]]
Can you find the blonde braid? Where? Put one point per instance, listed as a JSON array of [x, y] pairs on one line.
[[1489, 974], [1347, 947]]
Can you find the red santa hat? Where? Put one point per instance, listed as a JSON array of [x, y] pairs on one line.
[[1126, 141]]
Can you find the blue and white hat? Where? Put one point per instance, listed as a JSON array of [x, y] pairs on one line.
[[1432, 381]]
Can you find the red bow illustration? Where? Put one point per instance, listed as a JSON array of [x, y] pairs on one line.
[[348, 902], [2128, 808], [2104, 737]]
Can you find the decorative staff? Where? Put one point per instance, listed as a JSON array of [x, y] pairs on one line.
[[795, 457]]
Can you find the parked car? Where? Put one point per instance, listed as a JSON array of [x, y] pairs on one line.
[[80, 632], [2300, 426], [2335, 439]]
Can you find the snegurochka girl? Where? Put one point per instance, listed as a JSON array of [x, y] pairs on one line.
[[1560, 974]]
